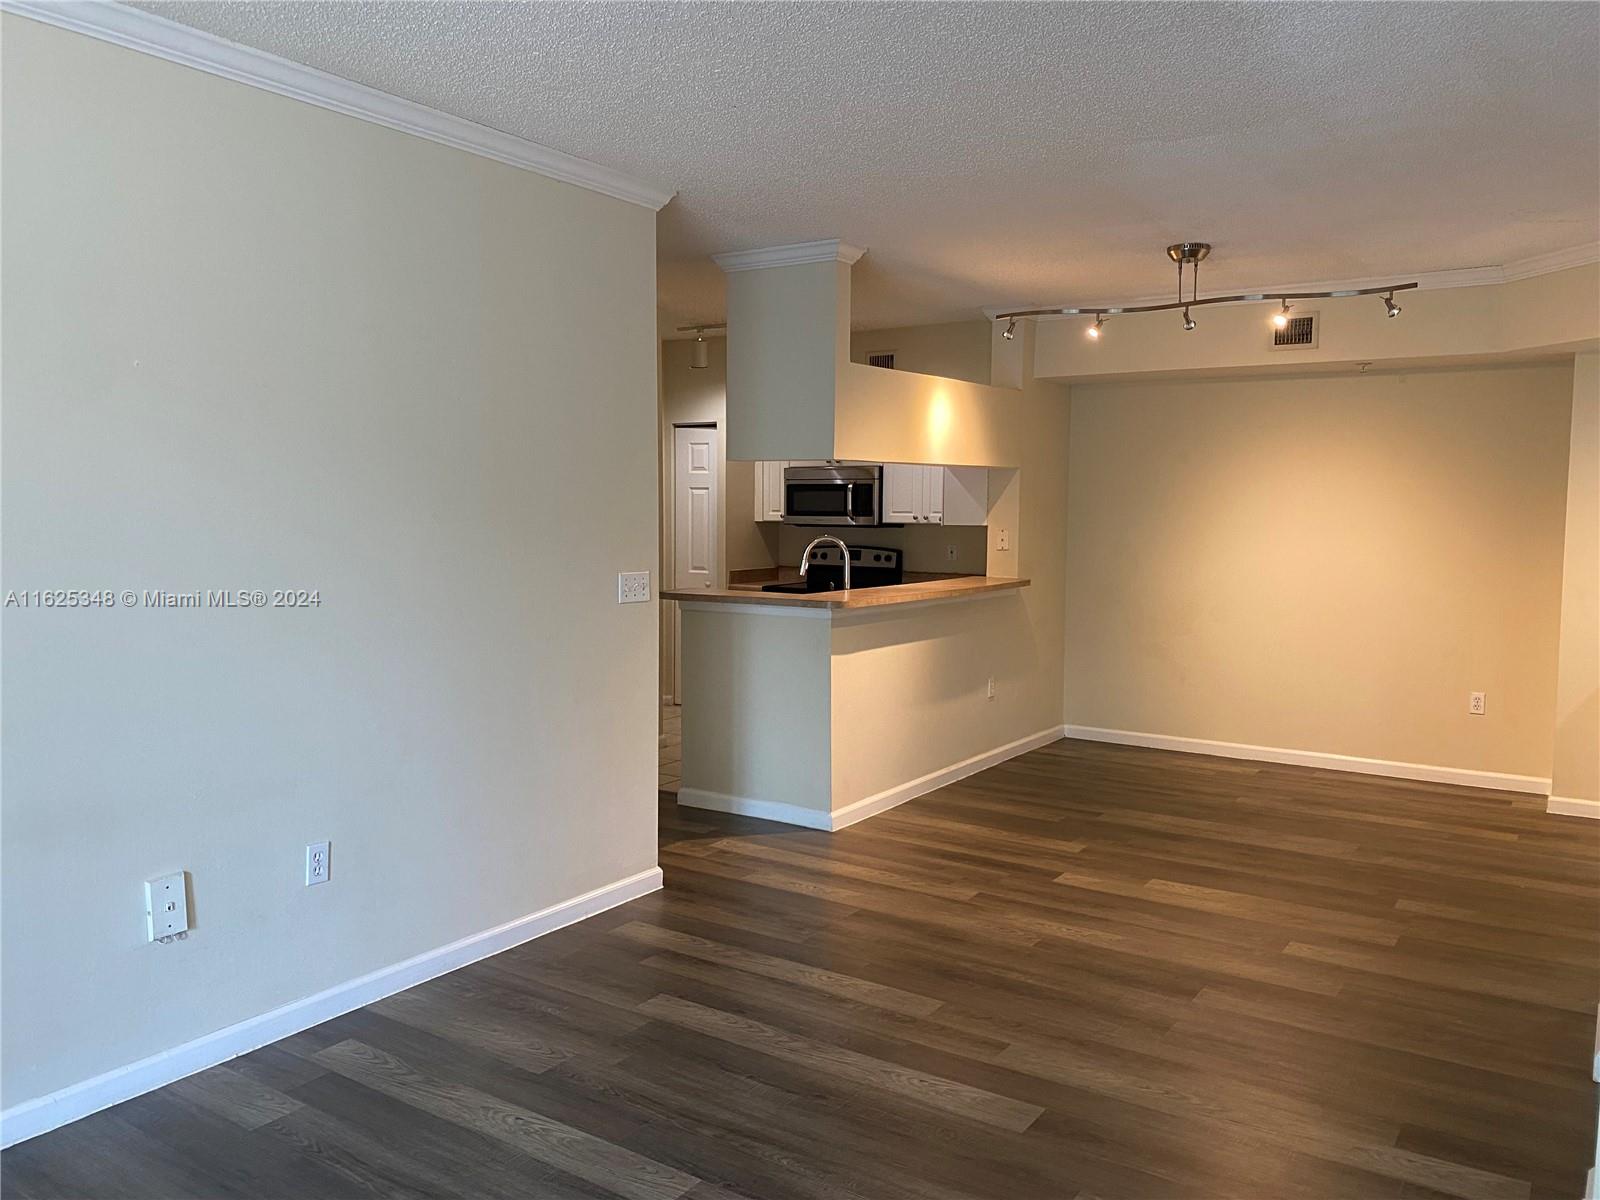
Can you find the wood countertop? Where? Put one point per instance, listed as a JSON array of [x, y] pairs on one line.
[[918, 589]]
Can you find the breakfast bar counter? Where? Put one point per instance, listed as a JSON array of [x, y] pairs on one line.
[[916, 590]]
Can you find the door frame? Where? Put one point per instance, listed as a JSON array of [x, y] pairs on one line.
[[672, 631]]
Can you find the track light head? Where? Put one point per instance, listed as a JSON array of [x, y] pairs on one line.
[[1392, 309], [1281, 318], [700, 357], [1010, 330], [1188, 321], [1094, 330]]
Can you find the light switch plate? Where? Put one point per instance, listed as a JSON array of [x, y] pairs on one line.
[[166, 906], [633, 587]]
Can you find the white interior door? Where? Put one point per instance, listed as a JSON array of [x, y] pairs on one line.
[[696, 517]]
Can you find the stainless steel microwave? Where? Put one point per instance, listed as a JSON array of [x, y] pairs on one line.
[[833, 494]]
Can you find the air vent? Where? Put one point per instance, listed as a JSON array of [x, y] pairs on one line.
[[884, 360], [1299, 334]]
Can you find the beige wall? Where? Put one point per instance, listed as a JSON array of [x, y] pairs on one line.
[[788, 328], [253, 343], [956, 350], [1322, 563], [1577, 718], [756, 706]]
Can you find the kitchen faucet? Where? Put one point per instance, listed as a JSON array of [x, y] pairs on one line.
[[805, 557]]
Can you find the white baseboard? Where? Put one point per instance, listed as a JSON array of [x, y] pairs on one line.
[[40, 1115], [744, 806], [873, 805], [1571, 806], [1312, 758], [812, 818]]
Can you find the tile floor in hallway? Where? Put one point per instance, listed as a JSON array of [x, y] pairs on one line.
[[671, 747]]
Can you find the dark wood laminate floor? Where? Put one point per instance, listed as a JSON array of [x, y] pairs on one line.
[[1091, 972]]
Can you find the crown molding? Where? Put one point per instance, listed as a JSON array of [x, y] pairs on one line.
[[1524, 268], [831, 250], [1549, 264], [147, 33]]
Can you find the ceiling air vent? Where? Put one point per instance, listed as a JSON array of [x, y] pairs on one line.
[[1299, 334], [884, 360]]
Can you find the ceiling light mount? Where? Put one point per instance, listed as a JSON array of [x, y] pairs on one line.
[[1188, 253]]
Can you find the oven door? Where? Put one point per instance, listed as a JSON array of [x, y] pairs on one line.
[[833, 495]]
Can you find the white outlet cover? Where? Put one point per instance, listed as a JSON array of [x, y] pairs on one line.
[[1477, 704], [166, 905], [633, 587], [318, 868]]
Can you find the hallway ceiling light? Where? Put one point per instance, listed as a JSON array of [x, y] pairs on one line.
[[1011, 329], [1190, 254], [700, 356]]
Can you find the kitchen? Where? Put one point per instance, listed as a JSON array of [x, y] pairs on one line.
[[804, 701]]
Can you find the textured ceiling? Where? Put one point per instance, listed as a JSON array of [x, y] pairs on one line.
[[992, 153]]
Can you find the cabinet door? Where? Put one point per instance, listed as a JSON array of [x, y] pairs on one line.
[[904, 493], [966, 496], [933, 495], [769, 491]]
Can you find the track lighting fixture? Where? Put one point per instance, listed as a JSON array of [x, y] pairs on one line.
[[1011, 329], [700, 352], [1190, 254]]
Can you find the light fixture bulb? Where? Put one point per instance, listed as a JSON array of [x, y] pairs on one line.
[[1393, 309], [1094, 330], [1188, 321], [1281, 317], [1011, 329]]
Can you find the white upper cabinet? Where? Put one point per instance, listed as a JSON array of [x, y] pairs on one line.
[[905, 493], [965, 492], [769, 490], [918, 494]]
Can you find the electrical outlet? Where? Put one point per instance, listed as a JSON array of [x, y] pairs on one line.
[[166, 907], [1475, 705], [1003, 541], [991, 687], [317, 865], [950, 552], [633, 587]]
